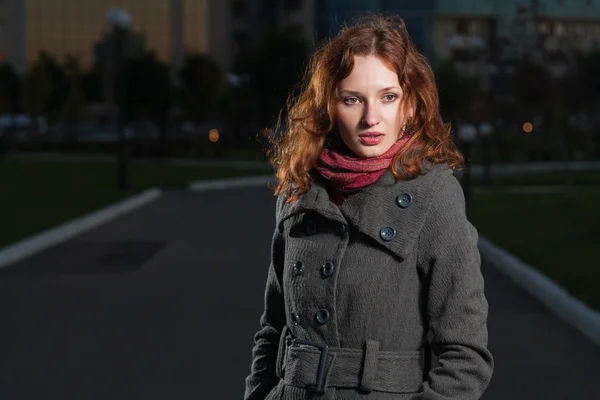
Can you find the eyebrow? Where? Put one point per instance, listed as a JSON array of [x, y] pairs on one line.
[[354, 92]]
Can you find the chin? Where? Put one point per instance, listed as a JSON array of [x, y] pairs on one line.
[[370, 151]]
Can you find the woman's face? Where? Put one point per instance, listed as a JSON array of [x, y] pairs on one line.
[[369, 116]]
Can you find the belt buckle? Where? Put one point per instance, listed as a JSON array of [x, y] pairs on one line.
[[320, 385]]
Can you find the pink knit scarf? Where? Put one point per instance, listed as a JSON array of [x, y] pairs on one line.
[[348, 173]]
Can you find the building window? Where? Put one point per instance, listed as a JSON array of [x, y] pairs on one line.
[[559, 29], [474, 27], [580, 30], [292, 5], [238, 8], [544, 28]]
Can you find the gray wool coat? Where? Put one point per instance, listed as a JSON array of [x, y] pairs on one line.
[[360, 298]]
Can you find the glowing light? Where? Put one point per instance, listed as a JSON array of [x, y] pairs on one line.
[[527, 127], [213, 135]]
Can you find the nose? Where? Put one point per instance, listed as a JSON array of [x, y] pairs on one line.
[[371, 115]]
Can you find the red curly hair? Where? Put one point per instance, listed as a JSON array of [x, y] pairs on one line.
[[311, 117]]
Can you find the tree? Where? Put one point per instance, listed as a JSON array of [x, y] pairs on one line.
[[91, 83], [145, 94], [455, 92], [144, 87], [45, 87], [531, 83], [274, 68], [9, 89], [99, 82], [202, 85], [586, 77], [76, 98], [37, 89]]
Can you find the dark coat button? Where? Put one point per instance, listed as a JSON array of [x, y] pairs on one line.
[[343, 228], [296, 318], [387, 233], [310, 227], [322, 316], [298, 268], [327, 269], [403, 200]]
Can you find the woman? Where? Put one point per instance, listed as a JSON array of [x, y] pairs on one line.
[[374, 263]]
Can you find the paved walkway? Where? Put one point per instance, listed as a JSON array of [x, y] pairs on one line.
[[163, 304]]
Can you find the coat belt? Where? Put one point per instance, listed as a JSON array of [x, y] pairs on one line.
[[316, 367]]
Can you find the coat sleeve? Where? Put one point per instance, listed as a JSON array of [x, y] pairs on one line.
[[262, 378], [456, 305]]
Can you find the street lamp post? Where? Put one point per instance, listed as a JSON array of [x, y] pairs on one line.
[[120, 22]]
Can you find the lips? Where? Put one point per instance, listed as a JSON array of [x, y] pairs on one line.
[[371, 138]]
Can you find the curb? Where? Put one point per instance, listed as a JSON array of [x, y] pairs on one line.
[[233, 183], [53, 236], [553, 296]]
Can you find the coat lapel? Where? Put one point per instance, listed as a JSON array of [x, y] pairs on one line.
[[315, 199], [390, 212]]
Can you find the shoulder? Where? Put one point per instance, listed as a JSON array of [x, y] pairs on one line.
[[280, 205], [435, 195], [285, 209], [437, 184], [445, 191], [446, 220], [433, 175], [403, 205]]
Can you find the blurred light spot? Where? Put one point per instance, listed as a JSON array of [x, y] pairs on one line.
[[213, 135], [527, 127]]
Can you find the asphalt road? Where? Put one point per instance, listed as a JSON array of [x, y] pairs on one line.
[[163, 304]]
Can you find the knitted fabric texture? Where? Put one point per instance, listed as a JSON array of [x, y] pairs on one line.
[[348, 173], [427, 279]]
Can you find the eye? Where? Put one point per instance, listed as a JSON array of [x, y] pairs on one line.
[[389, 97], [351, 100]]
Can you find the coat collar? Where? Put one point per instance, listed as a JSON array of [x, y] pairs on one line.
[[378, 207]]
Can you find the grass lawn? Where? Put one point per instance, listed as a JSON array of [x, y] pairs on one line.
[[36, 195], [556, 232]]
